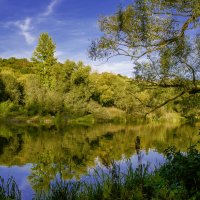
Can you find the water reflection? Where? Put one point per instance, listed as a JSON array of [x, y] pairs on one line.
[[43, 152]]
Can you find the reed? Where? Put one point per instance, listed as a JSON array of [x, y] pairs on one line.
[[9, 189]]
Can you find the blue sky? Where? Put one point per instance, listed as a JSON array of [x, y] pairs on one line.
[[71, 23]]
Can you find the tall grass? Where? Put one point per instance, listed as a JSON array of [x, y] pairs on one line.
[[9, 190]]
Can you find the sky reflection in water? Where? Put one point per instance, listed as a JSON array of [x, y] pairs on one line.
[[83, 148], [21, 173]]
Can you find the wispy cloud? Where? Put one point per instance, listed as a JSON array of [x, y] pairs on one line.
[[26, 25], [25, 29], [50, 8]]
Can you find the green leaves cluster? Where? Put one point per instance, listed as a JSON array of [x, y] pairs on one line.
[[46, 87], [162, 38]]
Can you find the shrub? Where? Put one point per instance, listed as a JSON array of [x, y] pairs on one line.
[[182, 170], [6, 107]]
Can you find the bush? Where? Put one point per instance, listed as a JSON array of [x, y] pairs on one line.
[[182, 170], [6, 107], [12, 88]]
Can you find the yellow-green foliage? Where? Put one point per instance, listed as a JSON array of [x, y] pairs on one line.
[[6, 107], [12, 88], [74, 91], [40, 100]]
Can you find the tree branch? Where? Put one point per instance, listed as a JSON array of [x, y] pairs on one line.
[[173, 14], [192, 70], [166, 102]]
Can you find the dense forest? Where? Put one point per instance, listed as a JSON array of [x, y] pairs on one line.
[[162, 43], [42, 86]]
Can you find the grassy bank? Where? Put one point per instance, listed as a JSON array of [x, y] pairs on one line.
[[20, 115], [178, 178]]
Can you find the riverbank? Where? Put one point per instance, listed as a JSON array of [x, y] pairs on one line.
[[90, 119]]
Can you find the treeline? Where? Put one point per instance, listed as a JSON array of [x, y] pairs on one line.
[[73, 89], [44, 86]]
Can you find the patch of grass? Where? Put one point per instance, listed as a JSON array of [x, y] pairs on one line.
[[9, 190], [60, 190], [85, 120]]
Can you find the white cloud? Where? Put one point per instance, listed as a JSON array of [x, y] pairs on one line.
[[119, 67], [59, 54], [50, 8], [25, 28]]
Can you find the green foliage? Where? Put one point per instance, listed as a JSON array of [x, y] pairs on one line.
[[44, 52], [18, 65], [164, 52], [11, 87], [75, 101], [39, 100], [9, 190], [44, 86], [43, 57], [182, 170], [80, 75], [74, 90], [3, 95], [6, 107]]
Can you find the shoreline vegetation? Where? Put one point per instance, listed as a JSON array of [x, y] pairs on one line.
[[45, 91], [178, 178], [87, 120]]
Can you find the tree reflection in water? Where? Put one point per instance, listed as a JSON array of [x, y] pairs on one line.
[[71, 151]]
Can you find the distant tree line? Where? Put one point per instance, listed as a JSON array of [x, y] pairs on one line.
[[44, 86]]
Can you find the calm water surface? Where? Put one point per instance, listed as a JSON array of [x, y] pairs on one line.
[[35, 155]]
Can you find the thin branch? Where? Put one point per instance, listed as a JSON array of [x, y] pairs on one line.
[[193, 72], [181, 34], [142, 103], [166, 102], [125, 53], [173, 14]]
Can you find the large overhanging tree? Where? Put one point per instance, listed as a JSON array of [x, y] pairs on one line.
[[162, 37]]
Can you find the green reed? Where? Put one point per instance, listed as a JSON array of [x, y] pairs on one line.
[[9, 190]]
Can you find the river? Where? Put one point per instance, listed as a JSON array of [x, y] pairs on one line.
[[35, 155]]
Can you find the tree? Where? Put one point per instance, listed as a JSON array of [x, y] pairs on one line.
[[43, 57], [163, 40]]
